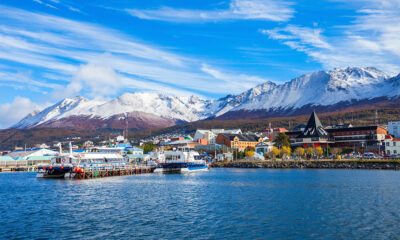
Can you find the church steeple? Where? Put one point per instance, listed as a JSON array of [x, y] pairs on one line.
[[314, 128]]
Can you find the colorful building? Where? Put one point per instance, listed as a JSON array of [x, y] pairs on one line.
[[240, 142], [273, 133]]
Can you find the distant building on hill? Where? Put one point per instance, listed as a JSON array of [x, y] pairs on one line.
[[239, 141], [272, 133], [211, 134]]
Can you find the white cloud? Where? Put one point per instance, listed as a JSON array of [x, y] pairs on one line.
[[61, 47], [271, 10], [235, 83], [98, 80], [372, 39], [16, 110]]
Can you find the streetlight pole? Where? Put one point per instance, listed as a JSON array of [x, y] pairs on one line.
[[215, 151]]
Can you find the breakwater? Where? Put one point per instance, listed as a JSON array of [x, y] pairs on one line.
[[315, 164]]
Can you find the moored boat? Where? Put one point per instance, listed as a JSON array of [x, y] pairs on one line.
[[183, 160]]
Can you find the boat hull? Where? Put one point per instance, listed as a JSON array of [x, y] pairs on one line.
[[56, 172], [180, 168]]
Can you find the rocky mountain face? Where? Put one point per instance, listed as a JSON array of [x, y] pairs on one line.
[[323, 91]]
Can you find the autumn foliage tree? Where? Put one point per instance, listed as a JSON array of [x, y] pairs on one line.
[[299, 151], [309, 151], [274, 152], [319, 151], [249, 153], [286, 151]]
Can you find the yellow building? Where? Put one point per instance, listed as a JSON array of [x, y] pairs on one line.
[[240, 142]]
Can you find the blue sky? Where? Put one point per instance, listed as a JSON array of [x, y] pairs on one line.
[[52, 49]]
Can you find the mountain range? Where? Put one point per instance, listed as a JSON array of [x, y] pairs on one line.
[[325, 91]]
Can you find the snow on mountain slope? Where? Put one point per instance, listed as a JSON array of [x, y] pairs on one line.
[[169, 107], [64, 108], [318, 88], [182, 108], [321, 88]]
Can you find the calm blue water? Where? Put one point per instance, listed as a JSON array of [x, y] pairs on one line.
[[221, 203]]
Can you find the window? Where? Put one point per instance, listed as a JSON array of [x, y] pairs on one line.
[[394, 143], [388, 144], [395, 151]]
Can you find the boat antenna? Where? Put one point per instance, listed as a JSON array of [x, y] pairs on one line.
[[70, 149]]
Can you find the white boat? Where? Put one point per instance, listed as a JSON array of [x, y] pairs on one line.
[[67, 165], [182, 161]]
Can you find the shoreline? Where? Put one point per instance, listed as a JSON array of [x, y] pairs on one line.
[[313, 164]]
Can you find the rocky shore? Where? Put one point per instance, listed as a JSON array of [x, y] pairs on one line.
[[338, 164]]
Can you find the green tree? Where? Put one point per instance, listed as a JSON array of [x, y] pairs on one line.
[[282, 140], [148, 147]]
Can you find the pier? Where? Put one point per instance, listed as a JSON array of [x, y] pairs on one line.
[[102, 173]]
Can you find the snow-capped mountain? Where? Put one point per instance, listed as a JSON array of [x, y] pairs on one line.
[[151, 106], [324, 90], [318, 88]]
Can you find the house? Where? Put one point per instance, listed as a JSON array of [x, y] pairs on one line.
[[135, 150], [263, 147], [88, 144], [392, 145], [272, 133], [239, 141], [211, 135]]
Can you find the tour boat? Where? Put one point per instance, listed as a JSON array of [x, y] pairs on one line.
[[182, 161], [67, 165]]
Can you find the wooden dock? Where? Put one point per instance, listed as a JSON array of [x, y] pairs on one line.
[[91, 174]]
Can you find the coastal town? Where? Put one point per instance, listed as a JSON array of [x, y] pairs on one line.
[[306, 142]]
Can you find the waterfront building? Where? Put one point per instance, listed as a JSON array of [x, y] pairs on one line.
[[264, 147], [392, 145], [394, 128], [24, 154], [360, 139], [313, 135], [240, 142]]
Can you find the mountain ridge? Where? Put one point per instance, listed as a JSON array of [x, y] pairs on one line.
[[333, 90]]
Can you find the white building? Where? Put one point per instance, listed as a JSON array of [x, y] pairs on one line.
[[24, 154], [394, 128], [211, 135], [263, 147], [392, 145]]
